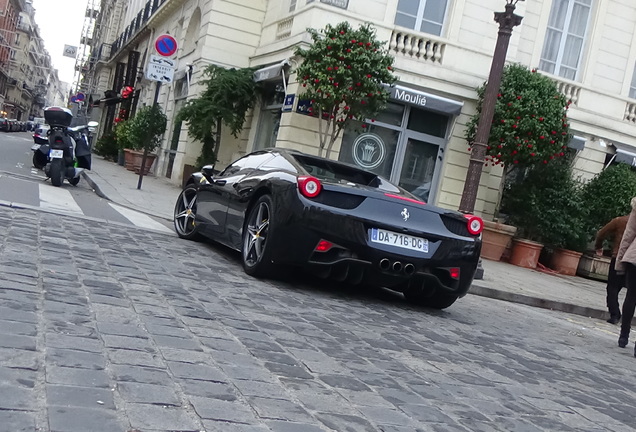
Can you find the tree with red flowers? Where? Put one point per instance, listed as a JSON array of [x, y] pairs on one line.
[[344, 73], [530, 125]]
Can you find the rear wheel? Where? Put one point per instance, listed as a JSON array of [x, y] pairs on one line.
[[437, 300], [39, 160], [256, 252], [185, 211], [56, 172]]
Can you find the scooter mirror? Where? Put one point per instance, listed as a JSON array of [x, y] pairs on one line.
[[93, 124]]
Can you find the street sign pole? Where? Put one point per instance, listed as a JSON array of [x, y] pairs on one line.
[[143, 158]]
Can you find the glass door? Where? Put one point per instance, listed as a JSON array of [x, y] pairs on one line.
[[418, 168]]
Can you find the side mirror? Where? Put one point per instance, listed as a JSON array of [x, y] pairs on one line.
[[208, 172]]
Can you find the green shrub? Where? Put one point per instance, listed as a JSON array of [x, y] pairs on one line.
[[608, 195], [107, 146], [546, 205]]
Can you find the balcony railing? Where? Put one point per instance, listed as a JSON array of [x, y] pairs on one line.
[[135, 25], [284, 28], [630, 112], [420, 47]]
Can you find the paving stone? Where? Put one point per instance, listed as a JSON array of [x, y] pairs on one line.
[[77, 377], [17, 377], [197, 371], [134, 358], [120, 329], [74, 396], [153, 417], [72, 358], [17, 398], [140, 374], [19, 359], [17, 421], [288, 426], [17, 314], [18, 328], [349, 423], [223, 426], [177, 343], [128, 343], [55, 340], [279, 409], [148, 393], [208, 389], [215, 409], [70, 419]]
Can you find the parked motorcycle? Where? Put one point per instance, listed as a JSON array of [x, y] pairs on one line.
[[68, 151]]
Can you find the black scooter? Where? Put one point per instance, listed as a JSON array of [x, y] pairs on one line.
[[68, 151]]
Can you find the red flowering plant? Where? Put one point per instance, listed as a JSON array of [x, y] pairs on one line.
[[530, 125], [344, 73]]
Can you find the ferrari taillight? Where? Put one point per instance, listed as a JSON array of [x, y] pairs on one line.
[[454, 272], [309, 186], [475, 224], [323, 246]]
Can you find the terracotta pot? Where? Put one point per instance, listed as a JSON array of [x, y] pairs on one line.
[[495, 238], [150, 159], [565, 261], [129, 159], [525, 253]]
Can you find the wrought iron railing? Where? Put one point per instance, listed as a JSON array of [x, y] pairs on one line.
[[135, 25]]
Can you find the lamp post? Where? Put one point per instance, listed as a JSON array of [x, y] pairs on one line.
[[507, 21]]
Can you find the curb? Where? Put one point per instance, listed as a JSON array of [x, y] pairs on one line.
[[94, 186]]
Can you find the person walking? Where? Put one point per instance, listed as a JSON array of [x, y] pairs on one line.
[[626, 263], [613, 230]]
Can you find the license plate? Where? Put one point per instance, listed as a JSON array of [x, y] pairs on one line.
[[56, 154], [404, 241]]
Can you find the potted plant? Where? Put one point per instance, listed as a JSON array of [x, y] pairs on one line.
[[529, 128], [606, 196], [546, 206], [141, 135]]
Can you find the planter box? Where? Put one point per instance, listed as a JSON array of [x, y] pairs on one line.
[[594, 267]]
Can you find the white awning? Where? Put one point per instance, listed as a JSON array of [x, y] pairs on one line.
[[577, 142], [625, 153], [271, 72]]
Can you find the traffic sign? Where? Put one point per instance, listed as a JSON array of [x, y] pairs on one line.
[[160, 69], [166, 45], [80, 96]]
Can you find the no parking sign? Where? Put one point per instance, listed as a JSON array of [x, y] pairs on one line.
[[166, 45]]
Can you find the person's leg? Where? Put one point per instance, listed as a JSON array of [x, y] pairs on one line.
[[614, 285], [628, 305]]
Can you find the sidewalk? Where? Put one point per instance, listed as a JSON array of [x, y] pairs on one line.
[[501, 281]]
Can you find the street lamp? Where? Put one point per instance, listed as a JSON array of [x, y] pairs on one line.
[[507, 21]]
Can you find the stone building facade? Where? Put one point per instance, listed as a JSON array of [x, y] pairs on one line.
[[443, 51]]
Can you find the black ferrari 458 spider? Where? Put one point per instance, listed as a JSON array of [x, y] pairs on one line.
[[282, 208]]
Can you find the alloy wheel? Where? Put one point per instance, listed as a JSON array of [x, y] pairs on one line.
[[185, 212], [256, 236]]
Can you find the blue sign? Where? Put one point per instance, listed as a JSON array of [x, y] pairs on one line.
[[303, 106], [166, 45], [289, 102]]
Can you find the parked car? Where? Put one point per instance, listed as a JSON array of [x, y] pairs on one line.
[[41, 134], [285, 208], [4, 125]]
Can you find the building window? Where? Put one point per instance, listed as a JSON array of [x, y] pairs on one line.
[[422, 15], [632, 87], [565, 37], [292, 5]]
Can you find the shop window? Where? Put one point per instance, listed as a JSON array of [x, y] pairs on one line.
[[426, 16], [292, 5], [372, 149], [428, 122], [565, 37], [391, 115]]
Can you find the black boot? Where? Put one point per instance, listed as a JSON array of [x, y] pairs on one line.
[[623, 339], [634, 350], [614, 319]]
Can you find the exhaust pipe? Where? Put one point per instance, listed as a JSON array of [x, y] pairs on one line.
[[385, 264], [397, 266], [409, 269]]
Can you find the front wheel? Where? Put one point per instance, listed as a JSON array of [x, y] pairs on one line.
[[74, 181], [56, 172], [185, 212], [256, 252]]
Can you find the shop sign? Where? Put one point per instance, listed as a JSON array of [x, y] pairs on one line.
[[408, 97], [419, 98], [368, 151], [288, 105]]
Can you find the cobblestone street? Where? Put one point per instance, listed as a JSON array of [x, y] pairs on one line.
[[111, 328]]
